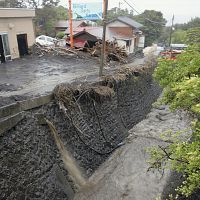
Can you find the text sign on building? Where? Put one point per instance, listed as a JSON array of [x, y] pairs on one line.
[[88, 11]]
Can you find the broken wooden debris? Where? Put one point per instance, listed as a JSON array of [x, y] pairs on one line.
[[40, 50], [113, 51]]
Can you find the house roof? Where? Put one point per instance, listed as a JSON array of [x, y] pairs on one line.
[[95, 31], [98, 32], [128, 21], [65, 23]]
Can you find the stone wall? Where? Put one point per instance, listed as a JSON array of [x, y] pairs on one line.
[[31, 166]]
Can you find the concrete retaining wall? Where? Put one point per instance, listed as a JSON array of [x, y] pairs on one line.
[[31, 167]]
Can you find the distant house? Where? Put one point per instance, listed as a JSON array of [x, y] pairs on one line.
[[86, 36], [63, 25], [16, 32], [123, 30], [126, 32]]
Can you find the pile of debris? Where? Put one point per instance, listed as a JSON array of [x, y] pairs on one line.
[[40, 50], [113, 51]]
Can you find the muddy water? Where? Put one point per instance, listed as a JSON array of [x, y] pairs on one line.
[[124, 175]]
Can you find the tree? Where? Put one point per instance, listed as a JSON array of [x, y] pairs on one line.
[[181, 82], [45, 21], [34, 3], [179, 37], [153, 23], [47, 17], [193, 23], [50, 2], [116, 12], [193, 36], [164, 37], [12, 4], [62, 13], [181, 30]]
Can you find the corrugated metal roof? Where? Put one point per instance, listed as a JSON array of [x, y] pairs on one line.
[[128, 21]]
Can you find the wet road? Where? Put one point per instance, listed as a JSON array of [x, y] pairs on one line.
[[125, 175]]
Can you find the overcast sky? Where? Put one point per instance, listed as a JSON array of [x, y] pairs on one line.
[[183, 10]]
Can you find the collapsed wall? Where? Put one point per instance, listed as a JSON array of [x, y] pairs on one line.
[[92, 120]]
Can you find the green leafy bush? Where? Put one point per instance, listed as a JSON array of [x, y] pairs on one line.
[[60, 35], [181, 82]]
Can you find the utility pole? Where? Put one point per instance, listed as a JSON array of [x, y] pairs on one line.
[[170, 37], [120, 5], [105, 10], [70, 25]]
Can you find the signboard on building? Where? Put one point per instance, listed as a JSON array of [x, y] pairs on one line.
[[88, 11]]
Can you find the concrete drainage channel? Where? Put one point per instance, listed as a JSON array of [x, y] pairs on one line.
[[81, 123]]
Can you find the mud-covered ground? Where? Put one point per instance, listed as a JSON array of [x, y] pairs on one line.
[[125, 175], [33, 76]]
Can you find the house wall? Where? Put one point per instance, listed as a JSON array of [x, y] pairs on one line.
[[132, 47], [16, 12], [125, 31], [14, 26], [122, 31], [141, 42], [129, 49], [121, 43]]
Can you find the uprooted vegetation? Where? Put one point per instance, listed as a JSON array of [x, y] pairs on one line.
[[104, 90], [113, 51]]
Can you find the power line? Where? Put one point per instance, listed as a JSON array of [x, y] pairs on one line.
[[155, 22]]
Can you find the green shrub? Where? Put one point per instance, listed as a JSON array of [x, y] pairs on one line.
[[60, 35], [181, 82]]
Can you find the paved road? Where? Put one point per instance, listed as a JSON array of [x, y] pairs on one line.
[[124, 176]]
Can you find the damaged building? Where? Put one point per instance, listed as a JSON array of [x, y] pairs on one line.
[[126, 32], [16, 32], [123, 30]]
